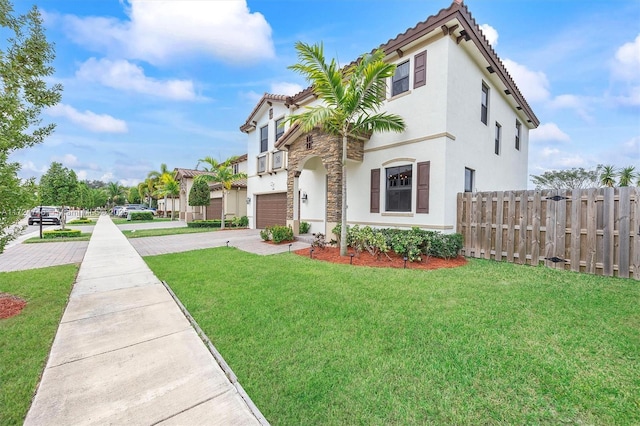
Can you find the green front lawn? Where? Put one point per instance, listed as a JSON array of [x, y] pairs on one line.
[[123, 220], [488, 343], [25, 339], [85, 236]]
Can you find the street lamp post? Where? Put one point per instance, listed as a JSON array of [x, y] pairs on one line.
[[40, 216]]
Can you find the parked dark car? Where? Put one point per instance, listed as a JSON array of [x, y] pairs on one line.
[[49, 215]]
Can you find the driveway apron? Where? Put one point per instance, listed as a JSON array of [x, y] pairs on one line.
[[124, 352]]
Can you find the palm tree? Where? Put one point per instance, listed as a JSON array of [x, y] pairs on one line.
[[221, 173], [145, 188], [115, 192], [158, 177], [608, 176], [170, 187], [626, 176], [351, 98]]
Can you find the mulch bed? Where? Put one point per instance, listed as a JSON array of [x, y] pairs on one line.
[[332, 254], [10, 305]]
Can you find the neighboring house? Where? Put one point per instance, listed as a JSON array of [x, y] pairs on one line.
[[467, 129], [235, 202]]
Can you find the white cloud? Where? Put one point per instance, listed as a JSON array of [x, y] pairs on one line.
[[490, 33], [533, 84], [67, 160], [579, 104], [101, 123], [548, 132], [630, 99], [81, 174], [164, 31], [626, 64], [107, 177], [29, 166], [284, 88], [124, 75], [549, 152]]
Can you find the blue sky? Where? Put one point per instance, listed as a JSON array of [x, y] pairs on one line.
[[150, 82]]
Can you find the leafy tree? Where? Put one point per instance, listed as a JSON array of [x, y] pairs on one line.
[[626, 176], [25, 59], [115, 193], [145, 189], [169, 187], [221, 173], [199, 194], [608, 176], [575, 178], [133, 195], [351, 99], [59, 187], [91, 198], [159, 177]]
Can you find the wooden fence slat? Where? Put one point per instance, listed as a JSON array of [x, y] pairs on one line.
[[624, 210], [535, 228], [561, 228], [522, 223], [488, 226], [592, 225], [550, 243], [576, 228], [467, 220], [608, 227], [511, 218], [499, 219]]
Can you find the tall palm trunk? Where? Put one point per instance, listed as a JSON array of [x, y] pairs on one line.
[[222, 223], [173, 206], [343, 219], [165, 206]]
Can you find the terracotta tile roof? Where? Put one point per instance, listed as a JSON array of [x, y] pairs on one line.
[[240, 183], [468, 30], [267, 97], [189, 173]]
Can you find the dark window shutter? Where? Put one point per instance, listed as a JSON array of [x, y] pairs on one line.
[[375, 191], [422, 205], [420, 69]]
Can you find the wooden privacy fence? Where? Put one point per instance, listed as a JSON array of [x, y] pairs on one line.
[[596, 231]]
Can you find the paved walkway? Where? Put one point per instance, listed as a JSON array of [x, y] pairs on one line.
[[124, 352]]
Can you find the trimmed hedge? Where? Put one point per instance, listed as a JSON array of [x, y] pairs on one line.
[[59, 233], [209, 223], [144, 215], [80, 221]]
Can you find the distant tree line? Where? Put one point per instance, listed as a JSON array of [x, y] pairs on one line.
[[579, 178]]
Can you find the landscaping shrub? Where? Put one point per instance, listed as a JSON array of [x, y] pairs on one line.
[[144, 215], [80, 220], [411, 244], [240, 222], [209, 223], [277, 233], [59, 233], [304, 227]]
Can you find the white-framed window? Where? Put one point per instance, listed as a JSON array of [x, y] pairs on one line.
[[398, 188], [518, 133], [400, 80], [234, 168], [469, 179], [484, 106], [264, 138], [279, 128], [498, 137]]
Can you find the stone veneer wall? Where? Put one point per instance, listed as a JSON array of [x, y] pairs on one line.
[[329, 149]]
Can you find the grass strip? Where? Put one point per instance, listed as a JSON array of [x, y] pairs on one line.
[[123, 221], [488, 343], [25, 340], [160, 232], [85, 236]]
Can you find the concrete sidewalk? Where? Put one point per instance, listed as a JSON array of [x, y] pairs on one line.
[[124, 352]]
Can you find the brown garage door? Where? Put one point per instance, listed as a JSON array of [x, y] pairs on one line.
[[271, 209], [214, 210]]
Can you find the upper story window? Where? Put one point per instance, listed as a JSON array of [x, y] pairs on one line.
[[484, 113], [400, 80], [498, 137], [234, 167], [469, 178], [278, 159], [264, 138], [398, 194], [518, 130], [279, 128]]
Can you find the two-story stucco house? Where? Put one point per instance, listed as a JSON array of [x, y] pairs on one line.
[[235, 201], [467, 129]]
